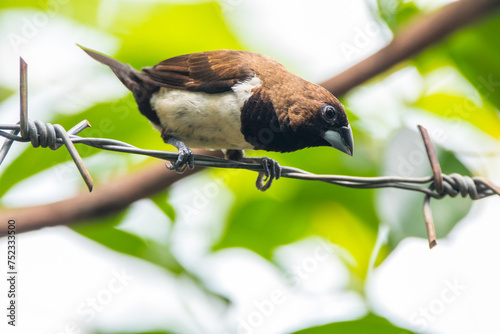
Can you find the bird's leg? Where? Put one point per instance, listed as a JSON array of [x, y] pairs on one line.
[[185, 158], [272, 169]]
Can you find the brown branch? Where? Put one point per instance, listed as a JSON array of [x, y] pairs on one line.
[[119, 194], [426, 31], [105, 199]]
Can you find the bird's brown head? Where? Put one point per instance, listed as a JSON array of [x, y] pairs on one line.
[[320, 119], [294, 115]]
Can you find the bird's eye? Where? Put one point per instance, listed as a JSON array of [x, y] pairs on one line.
[[329, 113]]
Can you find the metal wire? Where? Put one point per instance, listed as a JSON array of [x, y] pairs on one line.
[[437, 186]]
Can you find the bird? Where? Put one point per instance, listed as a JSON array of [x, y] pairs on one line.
[[233, 100]]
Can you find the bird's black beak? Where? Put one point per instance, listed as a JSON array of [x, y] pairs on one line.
[[341, 139]]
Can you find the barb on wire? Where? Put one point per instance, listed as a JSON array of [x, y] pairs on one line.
[[42, 134], [436, 186]]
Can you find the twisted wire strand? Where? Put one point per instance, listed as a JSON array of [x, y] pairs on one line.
[[53, 136], [41, 134]]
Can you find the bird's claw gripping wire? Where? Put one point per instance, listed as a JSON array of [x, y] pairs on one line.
[[272, 171], [185, 157]]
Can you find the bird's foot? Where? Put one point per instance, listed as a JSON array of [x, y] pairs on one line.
[[185, 158], [272, 171]]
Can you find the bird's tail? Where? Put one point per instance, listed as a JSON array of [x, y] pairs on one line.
[[139, 83], [134, 80]]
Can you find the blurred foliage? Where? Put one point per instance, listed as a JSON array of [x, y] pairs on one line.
[[462, 108], [105, 231], [201, 25], [155, 332], [291, 210], [397, 13], [161, 200], [476, 57], [470, 52], [4, 93], [371, 323]]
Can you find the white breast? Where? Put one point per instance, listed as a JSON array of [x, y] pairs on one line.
[[202, 120]]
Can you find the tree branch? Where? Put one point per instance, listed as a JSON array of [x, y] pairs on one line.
[[426, 31], [105, 199], [118, 194]]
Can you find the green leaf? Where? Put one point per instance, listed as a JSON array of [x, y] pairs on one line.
[[161, 200], [83, 11], [154, 332], [154, 28], [259, 225], [105, 232], [397, 13], [477, 57], [483, 117], [5, 93], [346, 229], [434, 57], [371, 324], [20, 3]]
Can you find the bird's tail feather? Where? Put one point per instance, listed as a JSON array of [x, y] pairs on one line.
[[130, 77]]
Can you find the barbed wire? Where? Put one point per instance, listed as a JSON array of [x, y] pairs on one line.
[[54, 136]]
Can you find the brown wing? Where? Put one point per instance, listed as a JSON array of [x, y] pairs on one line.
[[209, 72]]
